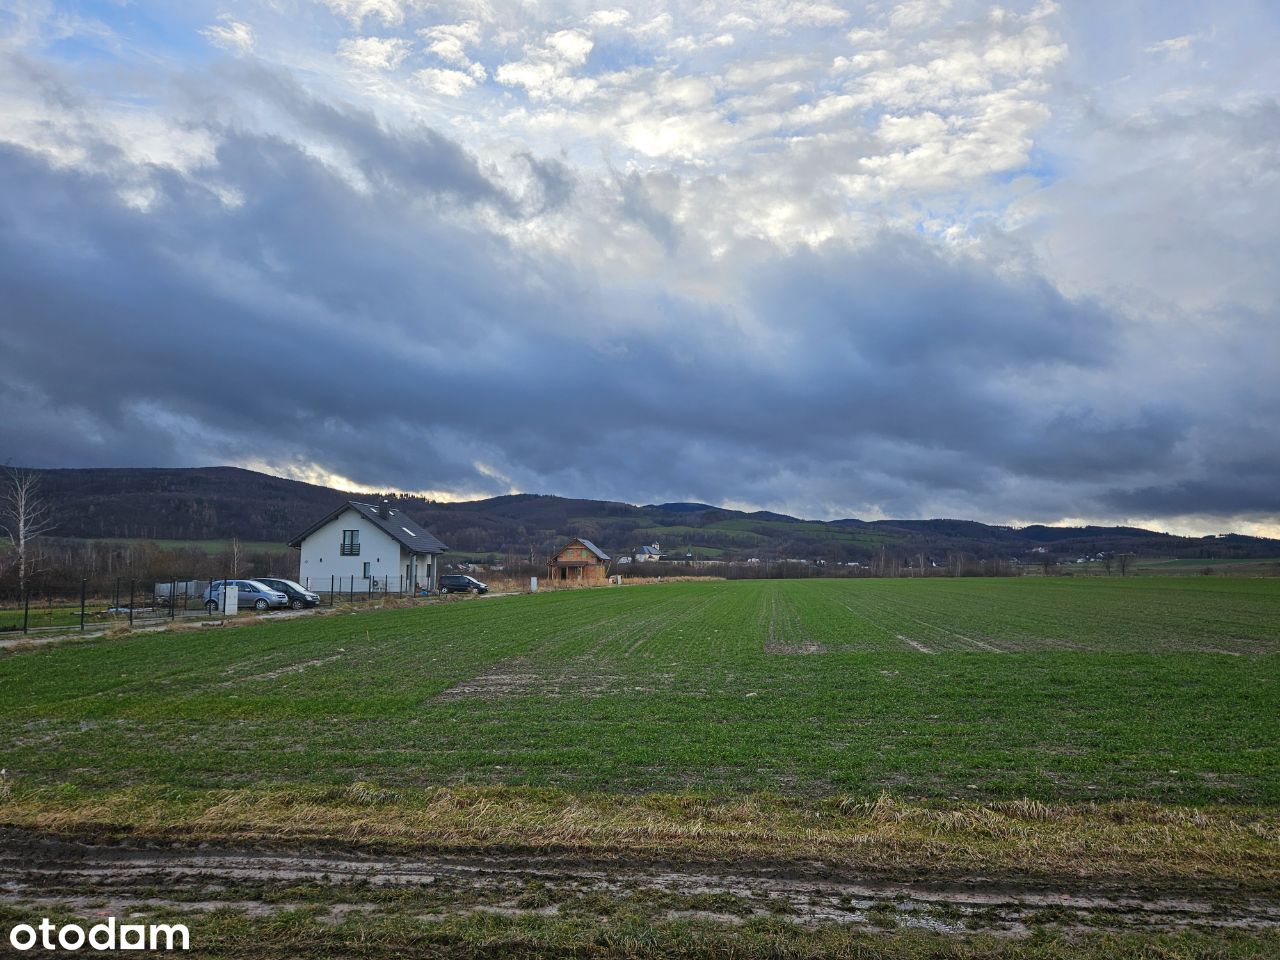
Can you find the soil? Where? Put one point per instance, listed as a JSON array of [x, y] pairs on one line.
[[37, 872]]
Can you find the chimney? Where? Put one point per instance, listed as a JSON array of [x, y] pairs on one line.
[[384, 509]]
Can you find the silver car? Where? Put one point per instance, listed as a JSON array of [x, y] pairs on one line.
[[251, 594]]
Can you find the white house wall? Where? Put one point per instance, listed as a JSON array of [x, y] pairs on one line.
[[426, 569], [322, 557]]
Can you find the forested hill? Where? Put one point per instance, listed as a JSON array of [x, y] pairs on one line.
[[220, 502]]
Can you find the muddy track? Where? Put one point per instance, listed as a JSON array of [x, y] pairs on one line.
[[35, 871]]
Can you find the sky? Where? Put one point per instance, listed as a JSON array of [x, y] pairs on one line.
[[1014, 263]]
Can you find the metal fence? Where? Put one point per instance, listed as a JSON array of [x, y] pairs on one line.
[[132, 602], [104, 604], [352, 589]]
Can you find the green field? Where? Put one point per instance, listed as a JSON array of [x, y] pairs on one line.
[[594, 772], [1052, 689], [1226, 566]]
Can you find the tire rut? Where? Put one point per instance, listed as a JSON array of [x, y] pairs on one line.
[[41, 872]]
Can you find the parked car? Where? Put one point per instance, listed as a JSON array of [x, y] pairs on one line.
[[251, 594], [299, 596], [460, 583]]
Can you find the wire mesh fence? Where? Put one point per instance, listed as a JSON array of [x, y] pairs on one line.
[[103, 603], [353, 589], [132, 602]]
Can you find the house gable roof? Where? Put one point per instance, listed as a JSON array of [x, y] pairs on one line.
[[396, 525], [586, 543]]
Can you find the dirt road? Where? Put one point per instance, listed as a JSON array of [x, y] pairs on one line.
[[40, 874]]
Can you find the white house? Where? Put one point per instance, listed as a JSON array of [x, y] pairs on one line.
[[366, 544], [651, 552]]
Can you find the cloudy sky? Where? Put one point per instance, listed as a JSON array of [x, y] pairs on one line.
[[929, 258]]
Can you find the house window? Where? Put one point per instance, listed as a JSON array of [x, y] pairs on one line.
[[351, 543], [366, 569]]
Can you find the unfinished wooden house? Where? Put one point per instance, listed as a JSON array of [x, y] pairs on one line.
[[578, 560]]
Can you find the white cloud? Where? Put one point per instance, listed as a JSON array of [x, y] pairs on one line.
[[811, 14], [920, 128], [375, 53], [573, 46], [547, 71], [780, 17], [390, 12], [917, 13], [1175, 48], [862, 61], [752, 72], [687, 45], [451, 83], [230, 34], [450, 41], [859, 36], [658, 25], [615, 17]]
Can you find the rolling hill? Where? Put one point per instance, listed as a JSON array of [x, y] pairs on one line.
[[208, 503]]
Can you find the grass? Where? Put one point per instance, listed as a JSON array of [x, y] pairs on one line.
[[42, 616], [1140, 846], [11, 618], [1228, 566], [1103, 690], [631, 932]]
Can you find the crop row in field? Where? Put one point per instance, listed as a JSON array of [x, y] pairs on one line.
[[1138, 615]]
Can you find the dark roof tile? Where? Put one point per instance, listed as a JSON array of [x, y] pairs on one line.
[[396, 525]]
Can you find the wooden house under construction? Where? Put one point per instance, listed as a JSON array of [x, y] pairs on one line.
[[578, 560]]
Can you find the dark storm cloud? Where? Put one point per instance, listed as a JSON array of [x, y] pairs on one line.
[[1222, 486], [1221, 495], [275, 309], [417, 162]]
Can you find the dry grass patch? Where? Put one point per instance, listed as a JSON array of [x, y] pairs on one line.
[[1112, 843]]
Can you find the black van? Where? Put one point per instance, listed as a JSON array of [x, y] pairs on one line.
[[460, 583]]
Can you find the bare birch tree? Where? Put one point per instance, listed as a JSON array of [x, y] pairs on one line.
[[24, 516]]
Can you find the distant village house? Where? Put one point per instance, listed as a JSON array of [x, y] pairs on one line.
[[651, 552]]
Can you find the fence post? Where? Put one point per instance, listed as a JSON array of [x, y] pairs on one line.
[[83, 584], [131, 586], [26, 606], [116, 600], [351, 590], [331, 588], [173, 599]]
